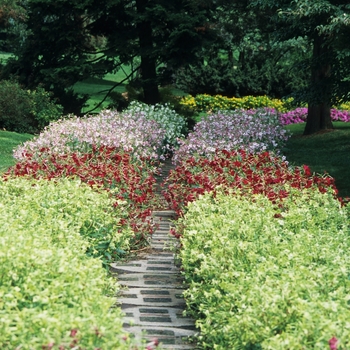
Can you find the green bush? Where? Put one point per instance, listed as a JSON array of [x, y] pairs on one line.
[[263, 277], [70, 209], [52, 295], [26, 111], [165, 115]]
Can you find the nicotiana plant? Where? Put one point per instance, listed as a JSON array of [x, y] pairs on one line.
[[254, 131], [172, 122], [129, 132]]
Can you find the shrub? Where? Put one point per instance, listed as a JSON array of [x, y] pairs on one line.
[[53, 296], [164, 115], [26, 111], [254, 131], [43, 109], [262, 277], [208, 103], [344, 106]]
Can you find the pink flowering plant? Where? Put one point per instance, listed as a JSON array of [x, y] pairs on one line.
[[129, 132], [299, 115], [254, 131]]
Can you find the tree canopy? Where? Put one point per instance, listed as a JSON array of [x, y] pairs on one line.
[[235, 48], [326, 25], [69, 41]]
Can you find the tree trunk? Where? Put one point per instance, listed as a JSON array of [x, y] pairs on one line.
[[319, 109], [148, 61], [318, 118]]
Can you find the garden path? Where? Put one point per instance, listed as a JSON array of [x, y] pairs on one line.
[[152, 288]]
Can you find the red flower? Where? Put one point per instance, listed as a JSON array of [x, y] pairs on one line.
[[307, 170]]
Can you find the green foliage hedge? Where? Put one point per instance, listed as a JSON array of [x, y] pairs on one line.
[[26, 111], [268, 277], [52, 294]]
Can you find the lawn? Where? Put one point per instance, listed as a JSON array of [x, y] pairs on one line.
[[97, 88], [323, 152], [8, 141]]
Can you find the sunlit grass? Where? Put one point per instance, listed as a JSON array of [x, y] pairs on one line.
[[97, 88], [9, 141]]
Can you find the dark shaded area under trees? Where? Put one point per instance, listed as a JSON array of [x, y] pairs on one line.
[[234, 48]]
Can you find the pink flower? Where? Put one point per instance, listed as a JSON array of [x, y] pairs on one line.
[[73, 333], [152, 345], [333, 343]]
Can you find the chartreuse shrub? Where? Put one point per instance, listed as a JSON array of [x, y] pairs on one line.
[[52, 294], [208, 103], [344, 106], [68, 210], [263, 276]]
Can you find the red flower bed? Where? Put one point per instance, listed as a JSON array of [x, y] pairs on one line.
[[104, 168], [261, 173]]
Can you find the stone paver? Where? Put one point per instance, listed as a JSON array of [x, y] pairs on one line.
[[152, 287]]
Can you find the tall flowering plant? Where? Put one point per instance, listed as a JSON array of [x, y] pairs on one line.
[[253, 130], [128, 132], [174, 124]]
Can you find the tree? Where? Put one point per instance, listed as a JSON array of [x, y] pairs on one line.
[[12, 28], [69, 41], [326, 25], [164, 34], [247, 58]]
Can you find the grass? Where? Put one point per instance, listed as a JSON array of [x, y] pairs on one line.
[[9, 141], [98, 87], [323, 152]]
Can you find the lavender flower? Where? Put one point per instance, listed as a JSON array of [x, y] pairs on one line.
[[252, 130], [129, 132]]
